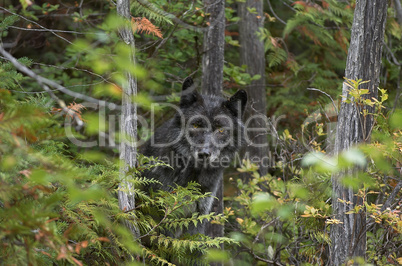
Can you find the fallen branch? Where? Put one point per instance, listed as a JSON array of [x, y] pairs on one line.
[[45, 83]]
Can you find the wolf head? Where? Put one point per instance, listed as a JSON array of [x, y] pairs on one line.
[[213, 128]]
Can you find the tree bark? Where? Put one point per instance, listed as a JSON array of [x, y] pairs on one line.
[[398, 9], [363, 62], [252, 54], [212, 80], [128, 122], [213, 48]]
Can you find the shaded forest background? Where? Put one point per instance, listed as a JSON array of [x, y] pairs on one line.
[[58, 197]]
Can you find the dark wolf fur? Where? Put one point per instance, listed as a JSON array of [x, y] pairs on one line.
[[198, 142]]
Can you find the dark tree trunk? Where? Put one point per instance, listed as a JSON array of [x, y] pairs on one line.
[[128, 123], [252, 54], [212, 80], [363, 62]]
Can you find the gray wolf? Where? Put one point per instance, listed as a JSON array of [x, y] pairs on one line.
[[199, 142]]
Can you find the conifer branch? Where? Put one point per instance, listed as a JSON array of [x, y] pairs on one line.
[[60, 102], [178, 21], [45, 83]]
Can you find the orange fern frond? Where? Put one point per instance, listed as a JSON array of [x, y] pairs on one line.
[[144, 25], [75, 107]]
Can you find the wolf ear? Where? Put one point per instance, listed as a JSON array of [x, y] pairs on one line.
[[188, 94], [187, 83], [237, 103]]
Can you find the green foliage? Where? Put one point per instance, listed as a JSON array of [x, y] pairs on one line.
[[55, 209], [358, 97], [58, 201], [9, 77], [271, 218], [309, 52], [150, 11], [7, 22], [378, 163], [238, 75], [52, 208]]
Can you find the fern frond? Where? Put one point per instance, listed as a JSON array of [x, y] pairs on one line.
[[144, 25], [75, 107], [276, 57], [149, 10], [340, 9], [181, 223], [154, 258]]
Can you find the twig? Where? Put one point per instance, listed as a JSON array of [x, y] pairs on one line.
[[61, 103], [286, 4], [323, 92], [273, 13], [398, 9], [398, 91], [44, 81], [262, 229], [45, 30], [395, 61], [370, 223], [265, 260], [391, 197], [104, 79], [69, 15], [164, 40], [33, 22], [392, 54]]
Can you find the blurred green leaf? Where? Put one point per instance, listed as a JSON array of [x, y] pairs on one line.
[[95, 123], [396, 119], [217, 255], [40, 176], [354, 157], [262, 202], [8, 162], [93, 156]]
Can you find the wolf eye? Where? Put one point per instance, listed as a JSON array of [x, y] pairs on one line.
[[196, 125], [221, 130]]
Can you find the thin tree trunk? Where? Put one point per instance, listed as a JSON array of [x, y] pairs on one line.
[[252, 54], [363, 62], [213, 51], [212, 80], [128, 123], [398, 9]]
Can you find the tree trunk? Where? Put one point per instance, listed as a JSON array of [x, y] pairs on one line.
[[128, 122], [398, 9], [214, 44], [252, 54], [363, 62], [212, 80]]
